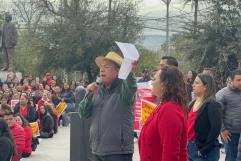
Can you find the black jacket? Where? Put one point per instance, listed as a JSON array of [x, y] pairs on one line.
[[207, 126], [31, 112], [6, 149], [47, 123]]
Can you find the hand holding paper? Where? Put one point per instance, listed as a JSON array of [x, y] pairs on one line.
[[131, 57], [134, 66]]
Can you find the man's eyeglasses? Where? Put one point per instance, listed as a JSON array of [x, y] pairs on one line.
[[106, 66]]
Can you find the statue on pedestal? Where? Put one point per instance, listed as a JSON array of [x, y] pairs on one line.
[[8, 41]]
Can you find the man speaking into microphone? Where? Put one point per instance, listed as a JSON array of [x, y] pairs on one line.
[[111, 108]]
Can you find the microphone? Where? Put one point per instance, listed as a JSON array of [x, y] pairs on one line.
[[98, 81], [90, 92]]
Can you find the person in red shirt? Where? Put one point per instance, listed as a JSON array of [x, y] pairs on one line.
[[24, 108], [204, 121], [43, 101], [164, 135], [28, 134], [48, 78], [18, 134]]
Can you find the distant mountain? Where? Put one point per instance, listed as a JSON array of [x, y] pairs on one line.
[[153, 38], [152, 42]]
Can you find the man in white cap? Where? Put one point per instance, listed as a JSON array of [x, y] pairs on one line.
[[111, 108]]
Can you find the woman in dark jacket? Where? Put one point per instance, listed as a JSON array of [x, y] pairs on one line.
[[67, 96], [54, 116], [46, 123], [204, 121], [7, 146], [25, 109]]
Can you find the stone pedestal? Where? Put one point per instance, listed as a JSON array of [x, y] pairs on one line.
[[4, 75]]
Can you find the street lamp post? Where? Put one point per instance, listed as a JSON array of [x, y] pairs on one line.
[[167, 2]]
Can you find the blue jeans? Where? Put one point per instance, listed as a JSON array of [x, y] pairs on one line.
[[231, 148], [213, 155]]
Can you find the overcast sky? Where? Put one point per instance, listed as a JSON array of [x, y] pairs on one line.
[[148, 8], [157, 5]]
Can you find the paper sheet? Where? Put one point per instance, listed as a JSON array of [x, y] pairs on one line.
[[130, 55]]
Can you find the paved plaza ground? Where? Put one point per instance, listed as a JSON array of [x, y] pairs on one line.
[[57, 148]]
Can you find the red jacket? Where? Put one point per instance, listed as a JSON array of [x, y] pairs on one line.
[[28, 140], [164, 135], [19, 139]]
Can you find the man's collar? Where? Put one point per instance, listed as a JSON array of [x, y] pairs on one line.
[[233, 89], [114, 83]]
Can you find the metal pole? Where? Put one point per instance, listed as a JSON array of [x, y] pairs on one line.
[[167, 32]]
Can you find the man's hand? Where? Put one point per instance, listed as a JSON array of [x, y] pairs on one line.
[[225, 134], [92, 87]]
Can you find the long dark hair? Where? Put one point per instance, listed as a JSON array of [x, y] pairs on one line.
[[174, 86], [24, 121], [65, 90], [45, 110], [27, 96], [210, 85], [50, 110], [194, 74], [5, 131]]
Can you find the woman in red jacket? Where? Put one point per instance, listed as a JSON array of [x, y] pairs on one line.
[[28, 135], [164, 135]]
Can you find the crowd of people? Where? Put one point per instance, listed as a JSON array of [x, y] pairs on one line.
[[193, 119], [32, 100]]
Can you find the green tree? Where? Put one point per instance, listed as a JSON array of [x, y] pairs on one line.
[[82, 30], [1, 22], [27, 53], [217, 44], [148, 59]]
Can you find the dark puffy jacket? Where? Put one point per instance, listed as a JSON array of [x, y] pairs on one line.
[[6, 148], [47, 124], [112, 117], [68, 96]]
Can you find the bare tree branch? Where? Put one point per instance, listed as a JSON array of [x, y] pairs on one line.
[[50, 7], [29, 12]]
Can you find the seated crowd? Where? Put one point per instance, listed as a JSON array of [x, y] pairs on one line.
[[31, 101]]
